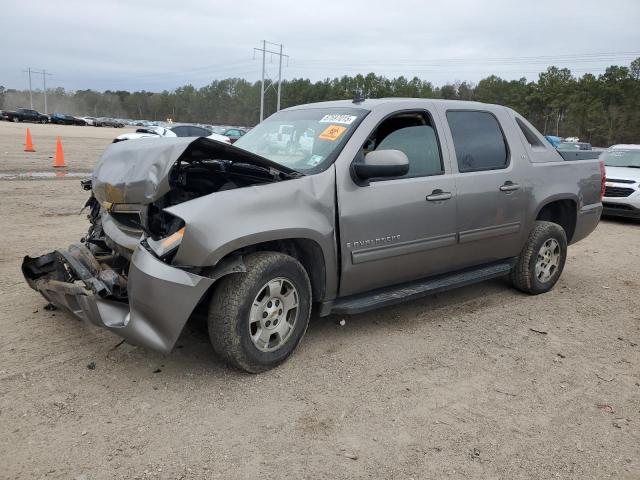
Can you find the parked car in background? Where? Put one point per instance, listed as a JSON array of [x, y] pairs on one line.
[[62, 119], [176, 130], [24, 115], [395, 199], [91, 121], [107, 122], [622, 190], [233, 133]]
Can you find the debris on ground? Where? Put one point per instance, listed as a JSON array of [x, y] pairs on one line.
[[91, 365], [342, 322], [605, 408], [50, 307], [157, 370], [541, 332], [351, 456]]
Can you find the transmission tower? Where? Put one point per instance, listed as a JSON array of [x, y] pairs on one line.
[[267, 81]]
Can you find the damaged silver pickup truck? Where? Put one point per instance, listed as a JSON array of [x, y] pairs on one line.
[[345, 206]]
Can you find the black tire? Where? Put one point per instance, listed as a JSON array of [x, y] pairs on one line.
[[43, 120], [523, 275], [15, 119], [230, 308]]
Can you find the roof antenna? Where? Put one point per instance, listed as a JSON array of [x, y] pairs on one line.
[[358, 96]]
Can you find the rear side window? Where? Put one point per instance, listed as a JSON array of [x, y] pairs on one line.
[[531, 137], [478, 141]]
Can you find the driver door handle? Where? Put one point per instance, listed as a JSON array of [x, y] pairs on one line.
[[438, 195], [509, 186]]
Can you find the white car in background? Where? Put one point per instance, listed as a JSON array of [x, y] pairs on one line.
[[622, 187], [91, 121], [173, 131]]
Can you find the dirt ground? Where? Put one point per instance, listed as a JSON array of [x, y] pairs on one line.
[[463, 384]]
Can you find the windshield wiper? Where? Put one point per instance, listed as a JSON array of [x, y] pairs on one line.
[[273, 172]]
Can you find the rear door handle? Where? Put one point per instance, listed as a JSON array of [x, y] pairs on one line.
[[438, 195], [509, 186]]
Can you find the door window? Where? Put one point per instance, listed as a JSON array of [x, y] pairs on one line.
[[413, 134], [478, 140]]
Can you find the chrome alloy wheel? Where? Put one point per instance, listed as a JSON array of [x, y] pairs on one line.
[[273, 314], [548, 260]]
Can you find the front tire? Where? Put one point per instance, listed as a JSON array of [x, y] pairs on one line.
[[542, 259], [256, 319]]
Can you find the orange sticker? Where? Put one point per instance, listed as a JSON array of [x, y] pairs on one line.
[[332, 132]]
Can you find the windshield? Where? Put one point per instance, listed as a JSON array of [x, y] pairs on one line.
[[302, 139], [622, 158]]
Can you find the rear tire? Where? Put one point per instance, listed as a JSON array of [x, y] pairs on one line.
[[256, 319], [15, 119], [542, 259]]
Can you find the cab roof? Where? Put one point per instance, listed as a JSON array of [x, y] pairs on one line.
[[373, 103]]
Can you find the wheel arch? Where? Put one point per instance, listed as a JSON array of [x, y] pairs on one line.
[[306, 250], [561, 210]]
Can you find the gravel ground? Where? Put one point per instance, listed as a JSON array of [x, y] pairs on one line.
[[481, 382]]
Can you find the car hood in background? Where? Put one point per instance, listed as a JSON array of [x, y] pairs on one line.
[[622, 173], [138, 172]]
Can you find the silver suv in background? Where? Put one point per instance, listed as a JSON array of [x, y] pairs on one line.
[[622, 190], [371, 203]]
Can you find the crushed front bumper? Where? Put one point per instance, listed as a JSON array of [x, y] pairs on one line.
[[161, 297]]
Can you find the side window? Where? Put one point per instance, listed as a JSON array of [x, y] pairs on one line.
[[198, 132], [478, 141], [415, 136]]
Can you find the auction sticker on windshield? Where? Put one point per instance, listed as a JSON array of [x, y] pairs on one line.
[[332, 132], [337, 118]]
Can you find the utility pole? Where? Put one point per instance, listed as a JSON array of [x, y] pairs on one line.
[[265, 76], [44, 86], [44, 89], [28, 70]]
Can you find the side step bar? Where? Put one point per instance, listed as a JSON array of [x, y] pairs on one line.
[[364, 302]]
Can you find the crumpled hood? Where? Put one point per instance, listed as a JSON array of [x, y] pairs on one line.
[[138, 171]]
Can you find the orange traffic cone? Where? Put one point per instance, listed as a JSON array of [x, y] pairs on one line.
[[58, 161], [28, 144]]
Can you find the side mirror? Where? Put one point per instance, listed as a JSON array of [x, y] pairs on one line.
[[381, 163]]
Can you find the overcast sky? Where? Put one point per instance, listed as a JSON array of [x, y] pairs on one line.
[[160, 44]]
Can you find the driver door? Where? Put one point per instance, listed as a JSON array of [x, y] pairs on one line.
[[399, 229]]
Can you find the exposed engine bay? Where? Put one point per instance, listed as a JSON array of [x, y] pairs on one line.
[[129, 191]]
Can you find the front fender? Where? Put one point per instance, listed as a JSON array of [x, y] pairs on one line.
[[223, 222]]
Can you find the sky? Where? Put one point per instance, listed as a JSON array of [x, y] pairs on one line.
[[157, 45]]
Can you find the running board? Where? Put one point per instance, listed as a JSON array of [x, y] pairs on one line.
[[364, 302]]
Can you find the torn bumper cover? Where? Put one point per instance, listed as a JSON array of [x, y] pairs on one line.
[[161, 298]]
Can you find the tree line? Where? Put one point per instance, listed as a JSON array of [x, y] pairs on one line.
[[602, 109]]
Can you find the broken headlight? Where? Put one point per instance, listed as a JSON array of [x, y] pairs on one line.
[[167, 245]]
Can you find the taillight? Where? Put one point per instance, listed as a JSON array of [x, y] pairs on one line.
[[603, 179]]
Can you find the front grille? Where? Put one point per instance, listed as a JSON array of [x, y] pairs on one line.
[[618, 180], [618, 206], [617, 192]]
